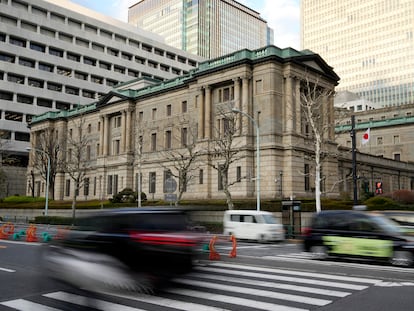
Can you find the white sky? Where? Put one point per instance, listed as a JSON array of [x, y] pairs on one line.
[[281, 15]]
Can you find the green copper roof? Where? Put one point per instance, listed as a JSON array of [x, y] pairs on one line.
[[376, 123], [245, 54]]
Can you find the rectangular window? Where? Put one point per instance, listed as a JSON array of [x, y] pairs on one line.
[[153, 142], [201, 177], [54, 87], [307, 177], [81, 75], [26, 62], [37, 47], [184, 106], [17, 41], [167, 175], [168, 139], [89, 61], [397, 157], [35, 83], [73, 57], [238, 173], [55, 52], [19, 136], [46, 67], [15, 78], [43, 102], [86, 187], [169, 109], [67, 187], [220, 184], [379, 140], [154, 113], [110, 185], [152, 182], [24, 99], [396, 139], [71, 90], [184, 137], [88, 153]]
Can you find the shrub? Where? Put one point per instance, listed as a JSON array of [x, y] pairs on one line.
[[381, 203], [23, 199], [127, 196], [403, 196]]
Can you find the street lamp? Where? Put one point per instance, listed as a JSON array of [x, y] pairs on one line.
[[47, 176], [235, 110]]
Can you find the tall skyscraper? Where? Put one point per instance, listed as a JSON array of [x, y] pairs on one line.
[[208, 28], [369, 43]]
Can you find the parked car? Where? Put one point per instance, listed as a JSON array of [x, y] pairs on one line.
[[134, 249], [358, 234], [252, 225]]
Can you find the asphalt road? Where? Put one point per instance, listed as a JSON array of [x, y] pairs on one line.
[[261, 277]]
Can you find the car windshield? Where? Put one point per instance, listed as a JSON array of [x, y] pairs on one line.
[[269, 219], [388, 225]]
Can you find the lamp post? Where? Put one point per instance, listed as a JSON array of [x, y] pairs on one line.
[[47, 176], [235, 110]]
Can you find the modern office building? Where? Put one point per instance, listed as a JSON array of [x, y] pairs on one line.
[[55, 55], [369, 43], [209, 28]]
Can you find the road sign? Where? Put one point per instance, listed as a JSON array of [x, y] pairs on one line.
[[170, 197], [170, 185]]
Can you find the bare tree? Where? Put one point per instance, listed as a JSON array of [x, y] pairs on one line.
[[315, 106], [182, 158], [48, 142], [224, 150], [76, 164]]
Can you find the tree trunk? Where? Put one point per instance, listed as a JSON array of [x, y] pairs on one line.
[[74, 208]]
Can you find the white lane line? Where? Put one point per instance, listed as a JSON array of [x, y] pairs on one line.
[[25, 305], [283, 278], [300, 273], [234, 300], [7, 270], [257, 292], [90, 302], [165, 302], [303, 289]]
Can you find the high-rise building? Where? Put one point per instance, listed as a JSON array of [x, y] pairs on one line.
[[55, 55], [369, 43], [209, 28]]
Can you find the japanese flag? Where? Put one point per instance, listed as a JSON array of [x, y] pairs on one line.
[[365, 137]]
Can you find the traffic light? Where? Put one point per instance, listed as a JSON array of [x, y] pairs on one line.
[[378, 187]]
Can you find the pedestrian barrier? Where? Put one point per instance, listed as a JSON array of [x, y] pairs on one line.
[[214, 255], [6, 230]]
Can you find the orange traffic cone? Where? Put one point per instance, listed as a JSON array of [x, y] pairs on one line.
[[6, 230], [233, 252], [31, 234], [213, 253]]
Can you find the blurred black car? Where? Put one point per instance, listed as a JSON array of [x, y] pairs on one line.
[[358, 234], [125, 249]]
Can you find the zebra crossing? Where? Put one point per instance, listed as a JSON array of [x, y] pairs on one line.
[[212, 287]]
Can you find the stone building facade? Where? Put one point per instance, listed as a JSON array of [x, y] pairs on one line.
[[136, 129]]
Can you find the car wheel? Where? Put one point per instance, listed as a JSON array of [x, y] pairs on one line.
[[319, 252], [402, 258]]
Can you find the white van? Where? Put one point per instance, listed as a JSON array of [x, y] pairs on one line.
[[252, 225]]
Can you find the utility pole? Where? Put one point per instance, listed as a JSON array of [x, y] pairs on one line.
[[354, 175]]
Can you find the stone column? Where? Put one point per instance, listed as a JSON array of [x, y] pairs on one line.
[[128, 131], [289, 112], [124, 130], [207, 105], [101, 135], [237, 104], [298, 106], [246, 124], [106, 136], [201, 114]]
